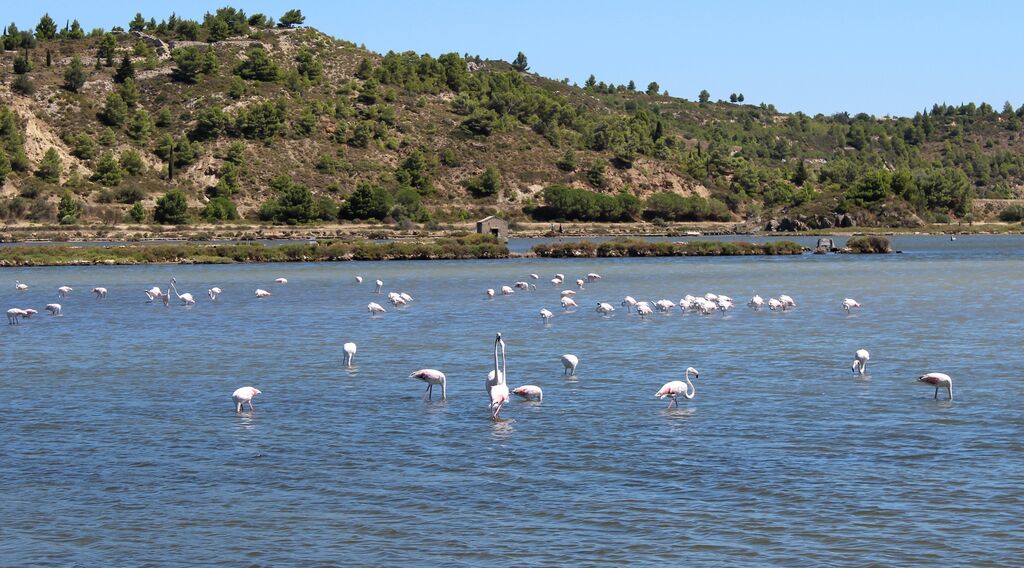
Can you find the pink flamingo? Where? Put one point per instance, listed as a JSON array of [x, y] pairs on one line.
[[244, 395], [673, 389], [938, 380], [431, 377]]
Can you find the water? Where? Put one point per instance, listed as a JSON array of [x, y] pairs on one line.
[[121, 444]]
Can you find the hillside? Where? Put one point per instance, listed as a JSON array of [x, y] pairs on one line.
[[280, 123]]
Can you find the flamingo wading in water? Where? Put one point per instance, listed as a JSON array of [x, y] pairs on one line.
[[431, 377], [100, 292], [850, 303], [860, 363], [570, 362], [497, 387], [54, 309], [186, 298], [244, 395], [214, 293], [350, 353], [529, 392], [938, 380], [673, 389], [19, 286]]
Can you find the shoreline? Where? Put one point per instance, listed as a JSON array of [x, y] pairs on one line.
[[228, 233]]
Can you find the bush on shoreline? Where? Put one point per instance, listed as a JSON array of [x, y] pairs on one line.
[[639, 247], [469, 247], [873, 244]]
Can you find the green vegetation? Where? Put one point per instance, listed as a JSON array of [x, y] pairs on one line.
[[469, 247], [630, 247], [872, 244], [407, 137]]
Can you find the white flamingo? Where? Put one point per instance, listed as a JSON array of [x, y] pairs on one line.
[[214, 293], [787, 302], [545, 314], [405, 296], [490, 292], [244, 395], [567, 293], [350, 353], [497, 386], [19, 286], [529, 392], [774, 304], [593, 277], [506, 290], [63, 291], [535, 276], [359, 279], [665, 305], [604, 308], [154, 293], [757, 302], [643, 309], [567, 303], [281, 281], [579, 283], [186, 298], [938, 380], [54, 309], [431, 377], [569, 361], [29, 312], [628, 302], [724, 303], [13, 314], [673, 389], [100, 292], [850, 303], [860, 361], [374, 308], [560, 276], [556, 281], [261, 293], [379, 287]]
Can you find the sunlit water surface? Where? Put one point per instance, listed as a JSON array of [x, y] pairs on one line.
[[120, 443]]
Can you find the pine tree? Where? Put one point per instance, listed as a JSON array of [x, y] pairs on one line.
[[46, 28], [125, 70], [520, 63], [74, 76]]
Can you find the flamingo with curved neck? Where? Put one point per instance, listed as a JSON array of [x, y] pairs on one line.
[[497, 387], [673, 389]]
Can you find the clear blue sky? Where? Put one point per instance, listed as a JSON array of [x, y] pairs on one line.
[[881, 57]]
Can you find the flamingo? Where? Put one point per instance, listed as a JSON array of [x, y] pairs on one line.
[[593, 277], [545, 314], [359, 279], [535, 276], [244, 395], [860, 362], [665, 305], [396, 300], [153, 293], [849, 303], [54, 309], [186, 298], [261, 293], [63, 291], [379, 287], [405, 296], [350, 353], [787, 302], [604, 308], [19, 286], [281, 281], [567, 303], [774, 304], [375, 308], [938, 380], [628, 302], [560, 276], [711, 297], [29, 312], [673, 389], [13, 314], [529, 391], [724, 303], [100, 292], [757, 302], [490, 292], [643, 309], [497, 387], [506, 291], [214, 293], [431, 377], [521, 285], [579, 283], [570, 361], [556, 281], [567, 293]]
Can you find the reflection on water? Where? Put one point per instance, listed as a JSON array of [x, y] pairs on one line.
[[116, 442]]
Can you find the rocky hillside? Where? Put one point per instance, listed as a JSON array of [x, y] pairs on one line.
[[243, 116]]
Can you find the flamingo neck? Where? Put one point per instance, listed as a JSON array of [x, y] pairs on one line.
[[692, 391]]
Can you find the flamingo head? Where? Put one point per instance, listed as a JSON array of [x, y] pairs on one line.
[[695, 372]]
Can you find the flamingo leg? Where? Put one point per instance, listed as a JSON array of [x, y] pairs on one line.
[[950, 387], [238, 407], [251, 407], [936, 393]]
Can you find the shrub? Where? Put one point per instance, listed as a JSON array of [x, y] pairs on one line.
[[50, 167], [220, 209], [367, 202], [487, 184], [873, 244], [1012, 214], [172, 208]]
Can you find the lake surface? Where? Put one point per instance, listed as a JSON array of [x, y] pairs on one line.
[[120, 443]]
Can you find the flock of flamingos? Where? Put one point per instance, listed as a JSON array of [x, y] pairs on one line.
[[498, 391]]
